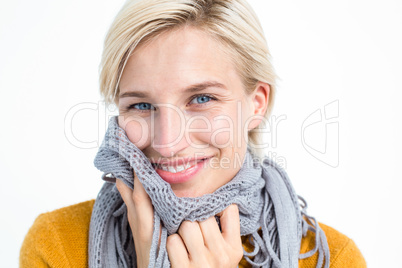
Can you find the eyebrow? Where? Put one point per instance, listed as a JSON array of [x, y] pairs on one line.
[[191, 89]]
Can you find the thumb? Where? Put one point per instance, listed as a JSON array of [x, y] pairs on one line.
[[230, 224]]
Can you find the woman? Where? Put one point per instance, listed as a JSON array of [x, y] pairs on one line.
[[193, 82]]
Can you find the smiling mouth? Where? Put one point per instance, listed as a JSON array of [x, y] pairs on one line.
[[177, 168]]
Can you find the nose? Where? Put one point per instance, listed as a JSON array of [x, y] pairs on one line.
[[169, 131]]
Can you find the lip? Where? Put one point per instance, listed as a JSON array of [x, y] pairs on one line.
[[183, 176]]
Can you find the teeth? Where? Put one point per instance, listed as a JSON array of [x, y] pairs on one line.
[[180, 168], [174, 170], [171, 169]]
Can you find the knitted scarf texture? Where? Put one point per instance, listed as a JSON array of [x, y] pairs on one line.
[[269, 209]]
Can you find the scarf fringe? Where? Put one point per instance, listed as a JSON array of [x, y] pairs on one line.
[[309, 223], [265, 253], [270, 235]]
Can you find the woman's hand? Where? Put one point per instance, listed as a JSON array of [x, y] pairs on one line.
[[201, 244], [140, 215]]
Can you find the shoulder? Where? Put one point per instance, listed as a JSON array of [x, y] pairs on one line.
[[343, 250], [58, 238]]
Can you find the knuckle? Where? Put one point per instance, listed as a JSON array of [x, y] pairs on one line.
[[187, 226], [172, 240], [238, 254], [131, 218], [224, 261], [141, 239], [140, 226], [233, 208], [138, 200], [142, 233]]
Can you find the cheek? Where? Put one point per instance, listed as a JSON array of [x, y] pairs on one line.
[[216, 130], [228, 129], [225, 129], [137, 131], [222, 134]]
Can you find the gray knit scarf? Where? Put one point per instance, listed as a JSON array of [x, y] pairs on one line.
[[270, 212]]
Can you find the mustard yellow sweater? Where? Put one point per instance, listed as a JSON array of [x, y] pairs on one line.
[[60, 239]]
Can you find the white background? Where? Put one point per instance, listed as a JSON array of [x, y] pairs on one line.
[[347, 51]]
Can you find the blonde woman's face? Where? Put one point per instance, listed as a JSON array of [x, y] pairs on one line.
[[182, 99]]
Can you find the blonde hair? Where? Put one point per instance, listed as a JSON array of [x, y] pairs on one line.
[[231, 22]]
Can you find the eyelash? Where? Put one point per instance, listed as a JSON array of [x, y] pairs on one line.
[[130, 107]]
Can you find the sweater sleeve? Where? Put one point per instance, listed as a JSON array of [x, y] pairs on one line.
[[343, 251], [58, 238], [41, 246], [349, 256]]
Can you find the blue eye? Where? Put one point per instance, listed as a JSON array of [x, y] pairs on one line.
[[145, 107], [141, 106], [203, 98]]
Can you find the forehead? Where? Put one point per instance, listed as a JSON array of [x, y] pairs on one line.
[[176, 59]]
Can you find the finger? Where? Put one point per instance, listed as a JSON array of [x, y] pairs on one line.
[[139, 206], [211, 234], [177, 252], [140, 218], [141, 199], [144, 212], [125, 193], [230, 224], [191, 235]]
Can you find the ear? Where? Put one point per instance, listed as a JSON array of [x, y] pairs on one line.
[[260, 100]]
